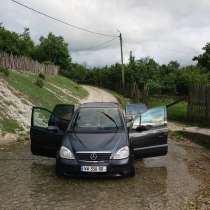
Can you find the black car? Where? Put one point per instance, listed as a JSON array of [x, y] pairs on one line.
[[94, 139]]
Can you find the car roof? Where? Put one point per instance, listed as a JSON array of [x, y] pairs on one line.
[[100, 105], [136, 105]]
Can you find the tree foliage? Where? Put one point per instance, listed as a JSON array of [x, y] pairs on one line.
[[204, 59], [54, 49], [158, 79], [145, 73], [51, 49]]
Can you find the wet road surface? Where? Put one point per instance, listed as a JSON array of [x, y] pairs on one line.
[[180, 180]]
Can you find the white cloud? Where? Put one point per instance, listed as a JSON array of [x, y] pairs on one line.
[[163, 29]]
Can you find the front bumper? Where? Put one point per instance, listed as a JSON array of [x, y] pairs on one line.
[[73, 167]]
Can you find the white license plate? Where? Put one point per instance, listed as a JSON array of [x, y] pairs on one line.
[[93, 168]]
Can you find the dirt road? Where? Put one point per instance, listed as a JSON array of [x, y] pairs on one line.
[[97, 95], [179, 181]]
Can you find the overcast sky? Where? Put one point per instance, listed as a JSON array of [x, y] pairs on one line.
[[162, 29]]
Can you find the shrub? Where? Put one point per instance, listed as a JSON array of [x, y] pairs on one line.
[[42, 76], [5, 71], [40, 82]]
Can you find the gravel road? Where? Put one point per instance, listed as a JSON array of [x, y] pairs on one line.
[[97, 95], [177, 181]]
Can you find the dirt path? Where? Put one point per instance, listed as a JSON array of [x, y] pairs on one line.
[[178, 181], [97, 95]]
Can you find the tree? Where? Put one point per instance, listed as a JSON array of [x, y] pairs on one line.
[[204, 59], [54, 49], [17, 44], [187, 77], [26, 44]]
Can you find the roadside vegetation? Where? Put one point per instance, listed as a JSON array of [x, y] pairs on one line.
[[146, 80], [177, 112], [54, 90], [57, 89], [8, 125]]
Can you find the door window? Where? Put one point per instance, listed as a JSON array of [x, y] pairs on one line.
[[154, 117], [40, 117]]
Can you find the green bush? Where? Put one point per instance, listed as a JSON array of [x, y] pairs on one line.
[[42, 76], [40, 82], [5, 71]]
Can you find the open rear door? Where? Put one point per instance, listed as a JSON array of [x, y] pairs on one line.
[[48, 128], [149, 134]]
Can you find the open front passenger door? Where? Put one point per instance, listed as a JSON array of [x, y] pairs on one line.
[[149, 133], [48, 129]]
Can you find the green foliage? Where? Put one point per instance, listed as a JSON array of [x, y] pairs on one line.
[[42, 76], [168, 79], [17, 44], [178, 112], [204, 59], [39, 82], [120, 98], [8, 125], [53, 49], [188, 76], [4, 71], [49, 95]]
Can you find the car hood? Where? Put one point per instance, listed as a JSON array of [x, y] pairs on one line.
[[96, 141]]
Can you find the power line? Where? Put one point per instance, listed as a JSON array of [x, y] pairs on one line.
[[103, 45], [62, 21]]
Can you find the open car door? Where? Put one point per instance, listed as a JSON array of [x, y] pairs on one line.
[[48, 128], [149, 133]]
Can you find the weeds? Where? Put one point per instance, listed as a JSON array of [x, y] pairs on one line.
[[4, 71]]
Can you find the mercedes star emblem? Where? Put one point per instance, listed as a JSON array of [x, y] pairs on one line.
[[93, 156]]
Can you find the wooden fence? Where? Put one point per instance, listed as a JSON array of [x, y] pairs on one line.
[[26, 64], [199, 104]]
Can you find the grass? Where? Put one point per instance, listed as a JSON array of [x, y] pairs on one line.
[[120, 98], [25, 83], [68, 84], [47, 96], [177, 112], [8, 125]]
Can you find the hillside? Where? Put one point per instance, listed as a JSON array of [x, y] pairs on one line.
[[18, 93]]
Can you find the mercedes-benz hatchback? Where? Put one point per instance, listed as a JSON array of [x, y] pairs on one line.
[[94, 139]]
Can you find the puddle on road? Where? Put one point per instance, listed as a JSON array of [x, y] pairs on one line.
[[29, 182]]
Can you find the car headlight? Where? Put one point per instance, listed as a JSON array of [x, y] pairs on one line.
[[121, 153], [66, 153]]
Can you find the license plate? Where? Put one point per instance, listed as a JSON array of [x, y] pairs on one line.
[[93, 168]]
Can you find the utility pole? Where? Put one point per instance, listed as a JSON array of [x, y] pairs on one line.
[[122, 63]]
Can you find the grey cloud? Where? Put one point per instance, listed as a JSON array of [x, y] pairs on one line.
[[163, 29]]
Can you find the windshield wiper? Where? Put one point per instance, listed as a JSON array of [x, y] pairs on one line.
[[111, 119]]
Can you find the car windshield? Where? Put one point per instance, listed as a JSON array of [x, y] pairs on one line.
[[134, 109], [98, 119]]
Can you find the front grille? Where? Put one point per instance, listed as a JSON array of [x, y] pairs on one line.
[[93, 156]]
